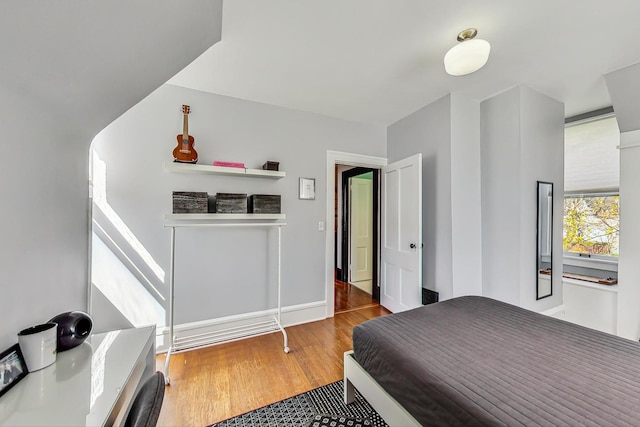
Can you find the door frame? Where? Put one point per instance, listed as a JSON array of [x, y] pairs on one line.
[[375, 223], [339, 158]]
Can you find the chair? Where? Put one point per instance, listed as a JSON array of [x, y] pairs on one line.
[[146, 406]]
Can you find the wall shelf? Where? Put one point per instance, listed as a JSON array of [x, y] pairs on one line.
[[222, 217], [221, 220], [220, 170]]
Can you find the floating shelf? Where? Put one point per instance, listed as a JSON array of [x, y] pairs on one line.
[[221, 170], [223, 217]]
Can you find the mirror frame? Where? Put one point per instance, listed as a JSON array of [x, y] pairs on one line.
[[538, 238]]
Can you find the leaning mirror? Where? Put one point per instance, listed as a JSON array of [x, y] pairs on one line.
[[545, 240]]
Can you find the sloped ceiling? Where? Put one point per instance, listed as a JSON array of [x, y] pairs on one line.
[[377, 61], [84, 63], [624, 86]]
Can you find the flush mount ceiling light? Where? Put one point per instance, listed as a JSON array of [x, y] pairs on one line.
[[467, 56]]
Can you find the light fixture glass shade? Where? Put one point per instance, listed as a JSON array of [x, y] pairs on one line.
[[466, 57]]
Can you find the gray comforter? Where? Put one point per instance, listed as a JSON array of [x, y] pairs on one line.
[[477, 361]]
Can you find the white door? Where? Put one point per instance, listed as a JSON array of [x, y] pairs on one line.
[[401, 240], [361, 228]]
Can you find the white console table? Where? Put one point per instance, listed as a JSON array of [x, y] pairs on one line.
[[89, 385], [193, 342]]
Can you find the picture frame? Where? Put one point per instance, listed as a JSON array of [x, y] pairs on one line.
[[12, 368], [307, 189]]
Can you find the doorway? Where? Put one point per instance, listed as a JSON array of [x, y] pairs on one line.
[[401, 259], [357, 197]]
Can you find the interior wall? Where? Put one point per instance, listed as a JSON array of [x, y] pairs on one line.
[[628, 267], [71, 68], [625, 93], [466, 206], [223, 272], [500, 154], [542, 159], [428, 131], [44, 223], [522, 142]]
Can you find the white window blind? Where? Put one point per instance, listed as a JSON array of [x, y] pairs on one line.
[[591, 156]]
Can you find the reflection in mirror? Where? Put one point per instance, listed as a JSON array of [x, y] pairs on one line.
[[545, 240]]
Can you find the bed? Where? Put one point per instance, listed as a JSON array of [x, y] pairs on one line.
[[477, 361]]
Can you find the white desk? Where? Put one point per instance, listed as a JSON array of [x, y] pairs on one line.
[[92, 384]]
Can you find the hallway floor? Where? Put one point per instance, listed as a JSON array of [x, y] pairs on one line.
[[349, 297]]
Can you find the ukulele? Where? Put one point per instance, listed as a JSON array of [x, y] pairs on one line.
[[184, 152]]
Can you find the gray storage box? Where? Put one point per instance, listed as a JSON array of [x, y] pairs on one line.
[[189, 202], [231, 203], [264, 204]]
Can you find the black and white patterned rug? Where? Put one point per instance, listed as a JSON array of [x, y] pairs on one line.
[[323, 406]]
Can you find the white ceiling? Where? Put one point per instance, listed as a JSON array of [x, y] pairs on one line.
[[377, 61]]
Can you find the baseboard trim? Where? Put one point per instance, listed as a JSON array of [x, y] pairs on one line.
[[290, 316], [557, 311]]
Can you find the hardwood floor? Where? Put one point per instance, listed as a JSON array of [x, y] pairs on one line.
[[215, 383], [349, 297]]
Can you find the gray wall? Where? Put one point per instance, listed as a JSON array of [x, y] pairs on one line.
[[71, 68], [521, 143], [428, 131], [223, 272], [466, 208], [480, 167], [500, 151]]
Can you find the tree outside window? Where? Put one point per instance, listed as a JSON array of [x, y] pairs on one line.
[[592, 225]]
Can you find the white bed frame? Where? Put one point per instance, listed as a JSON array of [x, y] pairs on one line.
[[355, 377]]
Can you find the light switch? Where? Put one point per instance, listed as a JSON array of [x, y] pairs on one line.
[[321, 226]]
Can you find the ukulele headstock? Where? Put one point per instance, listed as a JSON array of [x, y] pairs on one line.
[[186, 109]]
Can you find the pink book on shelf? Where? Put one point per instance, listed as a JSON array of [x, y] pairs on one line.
[[228, 164]]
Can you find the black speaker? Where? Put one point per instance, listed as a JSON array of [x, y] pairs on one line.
[[429, 296], [73, 328]]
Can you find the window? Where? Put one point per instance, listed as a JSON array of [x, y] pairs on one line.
[[592, 177], [591, 225]]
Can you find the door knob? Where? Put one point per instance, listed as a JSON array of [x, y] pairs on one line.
[[412, 245]]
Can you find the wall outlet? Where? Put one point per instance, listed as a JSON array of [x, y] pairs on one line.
[[321, 226]]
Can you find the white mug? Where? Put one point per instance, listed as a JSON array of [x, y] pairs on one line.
[[38, 345]]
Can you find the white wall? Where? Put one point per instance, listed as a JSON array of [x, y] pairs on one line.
[[522, 142], [624, 88], [71, 68], [590, 305], [628, 265], [224, 272]]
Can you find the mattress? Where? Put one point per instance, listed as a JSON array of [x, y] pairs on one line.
[[477, 361]]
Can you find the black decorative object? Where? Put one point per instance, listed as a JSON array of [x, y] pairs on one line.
[[271, 166], [73, 328], [429, 296]]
